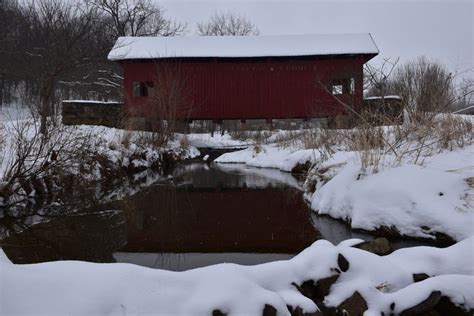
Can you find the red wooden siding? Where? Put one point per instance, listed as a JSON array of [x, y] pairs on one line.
[[250, 88]]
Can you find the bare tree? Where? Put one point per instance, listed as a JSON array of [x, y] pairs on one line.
[[135, 18], [464, 93], [61, 39], [10, 24], [167, 101], [221, 24], [378, 79]]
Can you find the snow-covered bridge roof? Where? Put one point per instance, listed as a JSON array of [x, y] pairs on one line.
[[242, 46]]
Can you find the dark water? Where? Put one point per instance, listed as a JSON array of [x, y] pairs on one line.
[[204, 215]]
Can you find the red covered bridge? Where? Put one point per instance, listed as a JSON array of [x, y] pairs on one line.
[[253, 77]]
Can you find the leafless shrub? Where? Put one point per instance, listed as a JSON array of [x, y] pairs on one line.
[[464, 93], [184, 141], [239, 133], [257, 148], [166, 103], [126, 137], [258, 135], [288, 139], [2, 137], [230, 24], [426, 88], [35, 162], [454, 131]]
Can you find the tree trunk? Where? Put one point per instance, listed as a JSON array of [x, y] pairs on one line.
[[45, 100], [2, 88]]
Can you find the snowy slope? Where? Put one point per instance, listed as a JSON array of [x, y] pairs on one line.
[[417, 200]]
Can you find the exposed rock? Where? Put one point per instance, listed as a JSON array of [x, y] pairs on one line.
[[342, 263], [387, 232], [446, 307], [299, 312], [425, 306], [443, 239], [418, 277], [317, 291], [269, 310], [324, 285], [379, 246], [217, 312], [470, 181], [353, 306]]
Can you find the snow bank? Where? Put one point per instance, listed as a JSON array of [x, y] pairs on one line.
[[119, 146], [418, 200], [80, 288], [205, 140], [270, 156]]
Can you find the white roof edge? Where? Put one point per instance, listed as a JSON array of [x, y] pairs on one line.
[[127, 48]]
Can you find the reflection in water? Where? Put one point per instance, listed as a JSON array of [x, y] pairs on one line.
[[90, 236], [233, 176], [218, 220], [186, 261], [205, 215]]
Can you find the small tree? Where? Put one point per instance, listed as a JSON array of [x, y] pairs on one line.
[[167, 102], [426, 87], [135, 18], [221, 24]]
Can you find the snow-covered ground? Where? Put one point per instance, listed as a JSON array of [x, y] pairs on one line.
[[215, 141], [11, 112], [385, 282], [270, 156], [417, 200]]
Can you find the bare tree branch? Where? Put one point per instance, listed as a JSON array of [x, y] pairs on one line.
[[230, 24]]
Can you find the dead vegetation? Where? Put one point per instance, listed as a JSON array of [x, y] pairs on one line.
[[36, 166], [427, 92], [165, 106]]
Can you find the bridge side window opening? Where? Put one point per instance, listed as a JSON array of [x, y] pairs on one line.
[[142, 88], [343, 86]]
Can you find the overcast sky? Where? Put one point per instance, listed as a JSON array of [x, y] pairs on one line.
[[443, 30]]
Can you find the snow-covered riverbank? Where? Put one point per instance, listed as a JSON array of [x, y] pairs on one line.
[[322, 276]]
